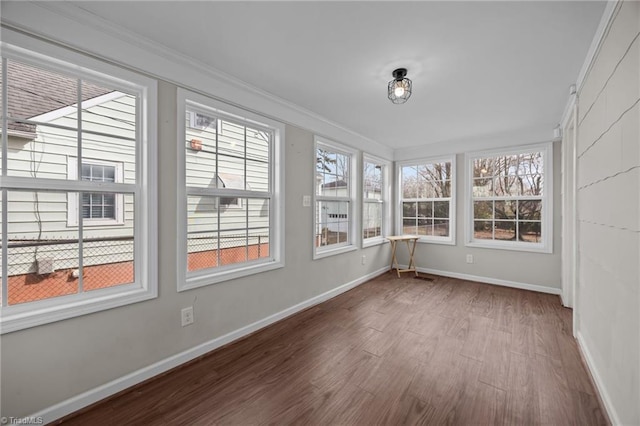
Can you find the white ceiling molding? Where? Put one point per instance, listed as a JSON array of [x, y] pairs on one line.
[[479, 143], [598, 38], [62, 23]]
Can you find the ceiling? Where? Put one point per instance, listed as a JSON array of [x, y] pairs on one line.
[[478, 68]]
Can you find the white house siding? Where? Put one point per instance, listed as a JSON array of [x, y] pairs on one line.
[[234, 218], [608, 194], [47, 156]]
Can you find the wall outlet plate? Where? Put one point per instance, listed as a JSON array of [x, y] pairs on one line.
[[187, 316]]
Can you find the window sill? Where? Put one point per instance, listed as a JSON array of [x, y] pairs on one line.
[[332, 252], [449, 241], [32, 314], [503, 245], [370, 242], [205, 277]]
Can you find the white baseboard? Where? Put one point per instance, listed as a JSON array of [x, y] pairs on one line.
[[600, 387], [488, 280], [92, 396]]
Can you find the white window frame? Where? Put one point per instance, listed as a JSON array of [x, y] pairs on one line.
[[353, 185], [451, 239], [546, 245], [59, 59], [73, 202], [386, 196], [194, 279]]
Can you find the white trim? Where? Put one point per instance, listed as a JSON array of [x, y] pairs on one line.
[[353, 185], [451, 239], [145, 287], [546, 246], [569, 209], [489, 280], [598, 38], [189, 280], [600, 386], [99, 393], [63, 22], [385, 193]]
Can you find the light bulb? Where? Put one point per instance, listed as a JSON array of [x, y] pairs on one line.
[[399, 90]]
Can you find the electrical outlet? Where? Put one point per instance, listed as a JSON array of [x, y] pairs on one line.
[[469, 258], [187, 316], [364, 259], [306, 201]]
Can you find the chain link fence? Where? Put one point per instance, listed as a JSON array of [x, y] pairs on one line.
[[205, 253], [42, 269]]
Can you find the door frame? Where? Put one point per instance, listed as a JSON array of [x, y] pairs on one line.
[[569, 254]]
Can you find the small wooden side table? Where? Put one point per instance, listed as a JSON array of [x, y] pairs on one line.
[[411, 248]]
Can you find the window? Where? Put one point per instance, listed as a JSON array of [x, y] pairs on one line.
[[229, 164], [427, 190], [334, 199], [375, 195], [510, 199], [78, 156], [97, 209]]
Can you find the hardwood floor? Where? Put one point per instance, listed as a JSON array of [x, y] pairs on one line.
[[391, 351]]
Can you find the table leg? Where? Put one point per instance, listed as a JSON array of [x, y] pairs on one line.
[[394, 260], [412, 263]]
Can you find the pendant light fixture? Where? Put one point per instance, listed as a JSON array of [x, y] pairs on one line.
[[399, 89]]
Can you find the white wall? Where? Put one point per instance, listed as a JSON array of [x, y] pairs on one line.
[[608, 292], [45, 365], [538, 271]]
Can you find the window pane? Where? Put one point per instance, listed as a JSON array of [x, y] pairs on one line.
[[441, 228], [109, 259], [112, 150], [483, 187], [409, 209], [425, 209], [202, 232], [409, 182], [441, 209], [332, 222], [483, 209], [529, 209], [372, 222], [43, 153], [258, 227], [410, 226], [483, 230], [325, 161], [425, 227], [530, 232], [505, 230], [106, 110], [483, 167], [505, 209], [200, 153], [530, 185], [40, 95], [43, 252], [372, 181], [506, 186]]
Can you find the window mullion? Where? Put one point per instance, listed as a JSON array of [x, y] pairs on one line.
[[80, 194], [5, 249], [5, 254], [5, 103], [218, 130]]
